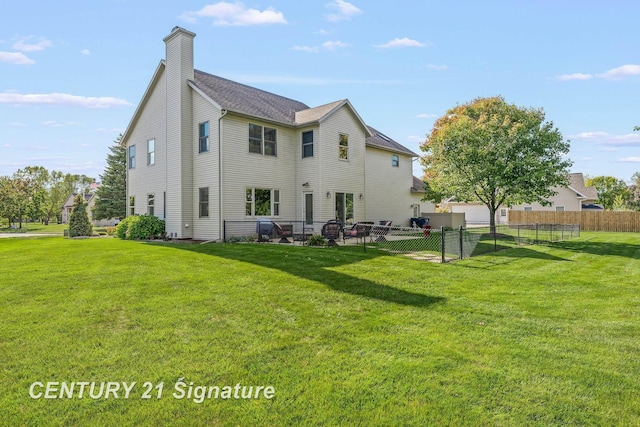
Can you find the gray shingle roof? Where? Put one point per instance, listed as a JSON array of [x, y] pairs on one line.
[[418, 185], [381, 140], [576, 181], [249, 100]]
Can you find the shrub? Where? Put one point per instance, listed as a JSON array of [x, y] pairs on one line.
[[317, 240], [140, 227], [79, 224]]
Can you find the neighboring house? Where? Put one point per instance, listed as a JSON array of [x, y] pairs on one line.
[[90, 198], [202, 150], [67, 208], [575, 197], [419, 206]]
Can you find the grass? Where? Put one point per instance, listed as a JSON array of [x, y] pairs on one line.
[[537, 335], [36, 227]]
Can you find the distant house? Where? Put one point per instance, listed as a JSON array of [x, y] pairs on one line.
[[90, 198], [575, 197], [202, 150]]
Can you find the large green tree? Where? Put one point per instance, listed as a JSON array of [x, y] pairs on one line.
[[612, 192], [495, 153], [112, 194]]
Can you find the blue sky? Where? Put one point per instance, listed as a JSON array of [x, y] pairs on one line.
[[73, 72]]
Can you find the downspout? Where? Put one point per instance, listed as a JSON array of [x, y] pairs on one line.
[[223, 113]]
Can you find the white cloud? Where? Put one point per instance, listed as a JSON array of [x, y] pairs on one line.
[[226, 14], [18, 124], [16, 58], [23, 45], [333, 45], [621, 72], [345, 11], [55, 124], [414, 138], [617, 73], [437, 67], [61, 99], [85, 52], [574, 76], [630, 139], [630, 159], [398, 43], [310, 49], [426, 116]]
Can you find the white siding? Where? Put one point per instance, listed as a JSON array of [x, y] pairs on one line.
[[145, 179], [242, 169], [206, 170], [337, 175], [388, 189], [566, 198]]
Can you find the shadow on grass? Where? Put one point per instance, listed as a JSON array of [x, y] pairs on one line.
[[315, 264], [508, 255], [601, 248]]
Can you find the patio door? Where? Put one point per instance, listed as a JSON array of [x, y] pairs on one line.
[[307, 208]]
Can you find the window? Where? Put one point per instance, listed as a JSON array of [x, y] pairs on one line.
[[559, 208], [203, 200], [503, 212], [262, 140], [395, 161], [262, 202], [343, 147], [151, 152], [416, 210], [151, 201], [132, 157], [344, 207], [203, 137], [307, 144], [528, 209], [132, 205]]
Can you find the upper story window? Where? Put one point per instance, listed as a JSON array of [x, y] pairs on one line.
[[132, 157], [151, 152], [307, 144], [559, 208], [343, 147], [262, 140], [203, 137], [395, 161]]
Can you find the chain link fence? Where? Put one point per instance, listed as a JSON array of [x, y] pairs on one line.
[[435, 245]]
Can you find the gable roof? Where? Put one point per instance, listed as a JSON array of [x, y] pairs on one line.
[[317, 113], [239, 98], [418, 185], [576, 183], [382, 141]]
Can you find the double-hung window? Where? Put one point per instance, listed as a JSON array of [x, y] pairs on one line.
[[307, 144], [203, 137], [262, 140], [132, 205], [343, 147], [395, 161], [151, 202], [132, 157], [151, 152], [203, 200]]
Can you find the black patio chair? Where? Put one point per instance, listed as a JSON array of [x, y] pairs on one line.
[[331, 231]]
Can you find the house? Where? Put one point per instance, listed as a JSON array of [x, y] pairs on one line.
[[67, 208], [90, 198], [575, 197], [202, 150]]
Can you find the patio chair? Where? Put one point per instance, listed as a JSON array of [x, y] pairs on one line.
[[331, 231], [284, 231], [359, 230], [384, 229]]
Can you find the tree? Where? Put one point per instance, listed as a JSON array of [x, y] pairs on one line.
[[634, 188], [111, 197], [79, 224], [611, 191], [495, 153]]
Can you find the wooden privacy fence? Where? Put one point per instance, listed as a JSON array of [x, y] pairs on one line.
[[628, 221]]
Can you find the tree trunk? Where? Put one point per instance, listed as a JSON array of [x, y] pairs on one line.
[[492, 220]]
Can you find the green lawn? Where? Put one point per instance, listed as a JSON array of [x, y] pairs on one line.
[[538, 335]]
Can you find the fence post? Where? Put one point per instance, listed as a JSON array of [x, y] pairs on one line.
[[518, 226], [224, 230], [536, 233], [461, 247], [442, 242]]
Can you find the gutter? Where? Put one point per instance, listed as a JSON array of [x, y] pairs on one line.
[[223, 113]]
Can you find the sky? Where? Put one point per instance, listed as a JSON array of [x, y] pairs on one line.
[[72, 73]]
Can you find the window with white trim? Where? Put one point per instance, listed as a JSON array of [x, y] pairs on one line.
[[151, 202], [343, 147], [132, 157], [203, 202], [132, 205], [344, 207], [203, 137], [307, 144], [395, 161], [559, 208], [151, 152], [262, 140], [262, 202]]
